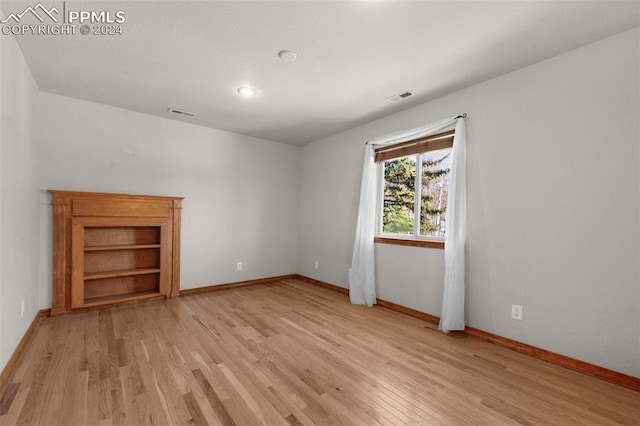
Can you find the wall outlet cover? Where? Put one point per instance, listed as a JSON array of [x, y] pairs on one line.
[[516, 312]]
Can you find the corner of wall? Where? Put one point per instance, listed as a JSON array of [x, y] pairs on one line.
[[19, 199]]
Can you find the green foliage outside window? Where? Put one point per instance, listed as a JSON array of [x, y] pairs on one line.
[[400, 194]]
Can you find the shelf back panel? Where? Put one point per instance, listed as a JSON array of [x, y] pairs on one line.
[[104, 261], [121, 285], [114, 235]]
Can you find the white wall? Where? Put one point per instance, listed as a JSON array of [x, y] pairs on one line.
[[3, 361], [241, 193], [19, 224], [553, 204]]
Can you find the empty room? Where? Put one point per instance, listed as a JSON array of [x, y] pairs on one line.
[[319, 212]]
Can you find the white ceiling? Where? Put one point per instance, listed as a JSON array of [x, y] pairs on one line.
[[351, 56]]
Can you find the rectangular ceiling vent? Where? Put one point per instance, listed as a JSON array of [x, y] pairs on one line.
[[402, 95], [181, 112]]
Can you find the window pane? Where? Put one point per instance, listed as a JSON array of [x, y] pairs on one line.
[[399, 195], [436, 167]]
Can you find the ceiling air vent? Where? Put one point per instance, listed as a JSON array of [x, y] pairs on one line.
[[402, 95], [181, 112]]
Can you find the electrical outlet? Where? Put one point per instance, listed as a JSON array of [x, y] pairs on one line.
[[316, 264], [239, 266], [516, 312], [22, 310]]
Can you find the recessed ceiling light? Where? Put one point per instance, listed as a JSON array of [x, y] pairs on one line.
[[247, 91], [287, 55]]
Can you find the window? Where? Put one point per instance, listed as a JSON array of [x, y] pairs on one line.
[[413, 188]]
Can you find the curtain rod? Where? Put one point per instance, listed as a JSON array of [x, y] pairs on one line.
[[463, 115]]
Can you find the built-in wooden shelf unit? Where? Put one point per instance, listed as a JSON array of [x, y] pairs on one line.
[[114, 248]]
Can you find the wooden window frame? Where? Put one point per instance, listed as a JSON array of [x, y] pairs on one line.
[[410, 242], [416, 146]]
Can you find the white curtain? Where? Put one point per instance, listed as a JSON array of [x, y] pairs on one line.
[[362, 287], [452, 317]]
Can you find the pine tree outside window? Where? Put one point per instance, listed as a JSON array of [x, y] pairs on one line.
[[413, 189]]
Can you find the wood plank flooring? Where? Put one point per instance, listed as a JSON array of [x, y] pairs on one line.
[[287, 354]]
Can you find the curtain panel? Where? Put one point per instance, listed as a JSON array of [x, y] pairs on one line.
[[362, 288]]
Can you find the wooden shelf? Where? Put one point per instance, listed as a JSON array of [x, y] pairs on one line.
[[122, 247], [113, 249], [120, 298], [123, 273]]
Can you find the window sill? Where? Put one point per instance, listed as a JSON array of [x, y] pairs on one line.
[[411, 243]]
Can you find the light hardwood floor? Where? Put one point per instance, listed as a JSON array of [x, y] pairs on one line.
[[288, 353]]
